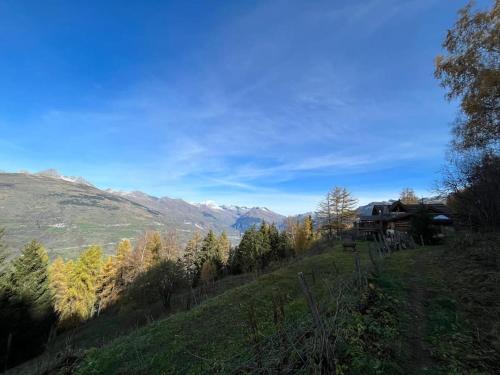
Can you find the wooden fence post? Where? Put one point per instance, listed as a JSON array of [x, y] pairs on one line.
[[370, 253], [357, 263], [313, 307]]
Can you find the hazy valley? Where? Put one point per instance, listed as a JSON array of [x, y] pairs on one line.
[[68, 214]]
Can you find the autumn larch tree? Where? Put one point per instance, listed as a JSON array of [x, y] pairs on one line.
[[336, 211], [326, 214], [407, 196], [83, 283], [470, 71], [224, 247]]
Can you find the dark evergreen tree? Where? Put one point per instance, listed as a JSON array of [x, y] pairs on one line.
[[265, 254], [250, 250], [210, 250], [274, 242], [26, 312], [285, 246]]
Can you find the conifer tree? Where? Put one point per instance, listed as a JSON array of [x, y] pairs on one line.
[[191, 254], [106, 284], [264, 257], [224, 247], [274, 242], [407, 196], [154, 248], [59, 278], [208, 272], [123, 251], [326, 214], [84, 281], [250, 249], [309, 228], [210, 250], [29, 278], [147, 252], [170, 247], [124, 264], [26, 312], [336, 211], [285, 248]]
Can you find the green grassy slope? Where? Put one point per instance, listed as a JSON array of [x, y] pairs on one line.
[[440, 334], [407, 321], [216, 331]]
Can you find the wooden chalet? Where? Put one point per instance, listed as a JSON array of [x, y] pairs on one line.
[[397, 217]]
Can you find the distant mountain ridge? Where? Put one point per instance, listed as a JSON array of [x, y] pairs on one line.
[[68, 213], [53, 173]]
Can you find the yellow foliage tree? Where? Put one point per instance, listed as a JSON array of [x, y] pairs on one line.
[[123, 251], [59, 277], [208, 272], [224, 247], [83, 283], [107, 285]]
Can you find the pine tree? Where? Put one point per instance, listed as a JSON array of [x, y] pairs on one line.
[[210, 250], [285, 248], [191, 254], [250, 250], [29, 278], [264, 257], [26, 312], [274, 242]]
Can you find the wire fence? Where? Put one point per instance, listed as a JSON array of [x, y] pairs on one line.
[[310, 345]]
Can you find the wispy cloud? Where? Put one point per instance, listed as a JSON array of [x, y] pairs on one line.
[[277, 95]]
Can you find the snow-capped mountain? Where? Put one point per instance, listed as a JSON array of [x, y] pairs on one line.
[[53, 173], [68, 213]]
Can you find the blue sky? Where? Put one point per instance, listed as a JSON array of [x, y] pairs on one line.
[[267, 103]]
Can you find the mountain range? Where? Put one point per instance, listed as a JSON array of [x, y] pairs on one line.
[[68, 213]]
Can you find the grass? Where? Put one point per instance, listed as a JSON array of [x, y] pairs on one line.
[[193, 342], [411, 319], [448, 337]]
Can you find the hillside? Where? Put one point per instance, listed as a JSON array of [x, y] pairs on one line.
[[66, 216], [415, 315], [68, 213]]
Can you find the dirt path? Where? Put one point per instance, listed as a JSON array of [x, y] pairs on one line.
[[420, 360]]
